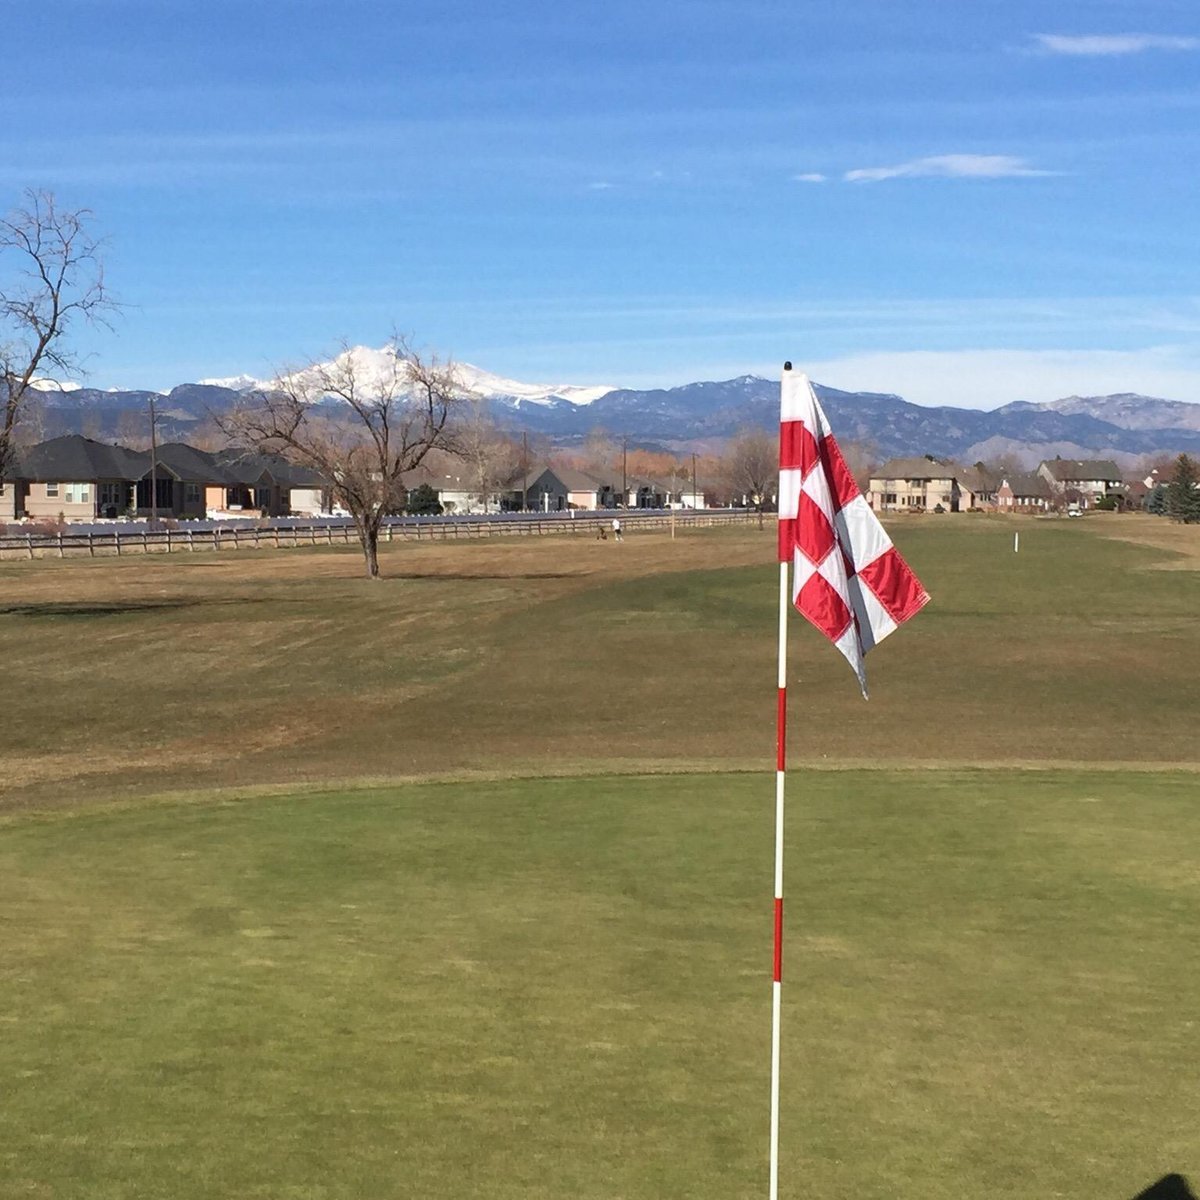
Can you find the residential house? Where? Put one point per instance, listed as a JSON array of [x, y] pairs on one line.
[[79, 479], [556, 489], [689, 495], [917, 485], [1082, 481], [646, 493], [977, 487], [1022, 493], [74, 478]]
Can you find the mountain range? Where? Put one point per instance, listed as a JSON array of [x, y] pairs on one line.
[[699, 416]]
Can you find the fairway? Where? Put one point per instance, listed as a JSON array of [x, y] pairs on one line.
[[458, 884], [566, 655]]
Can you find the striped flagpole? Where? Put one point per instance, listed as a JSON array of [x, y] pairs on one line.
[[780, 768]]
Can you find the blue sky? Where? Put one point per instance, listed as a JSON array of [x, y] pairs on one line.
[[964, 203]]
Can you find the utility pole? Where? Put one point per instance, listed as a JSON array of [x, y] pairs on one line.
[[153, 468], [695, 490], [524, 472], [624, 473]]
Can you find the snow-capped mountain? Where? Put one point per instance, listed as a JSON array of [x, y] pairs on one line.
[[374, 368], [494, 387], [692, 416]]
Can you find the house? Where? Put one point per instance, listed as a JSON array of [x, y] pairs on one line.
[[646, 493], [1023, 493], [555, 489], [187, 480], [76, 479], [1082, 481], [977, 487], [689, 495], [917, 485], [79, 479]]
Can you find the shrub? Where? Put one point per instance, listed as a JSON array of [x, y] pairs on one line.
[[47, 526]]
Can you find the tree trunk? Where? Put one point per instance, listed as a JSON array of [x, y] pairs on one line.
[[368, 536]]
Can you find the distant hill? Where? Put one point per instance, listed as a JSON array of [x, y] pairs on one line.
[[1122, 426]]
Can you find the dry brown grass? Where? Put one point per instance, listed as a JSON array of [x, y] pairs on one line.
[[567, 656], [1181, 542]]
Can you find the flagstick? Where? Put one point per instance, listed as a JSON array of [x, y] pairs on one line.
[[777, 974]]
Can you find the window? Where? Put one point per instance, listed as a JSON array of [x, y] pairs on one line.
[[110, 493], [51, 491], [77, 493], [192, 493]]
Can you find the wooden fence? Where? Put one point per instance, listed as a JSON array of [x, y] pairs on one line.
[[132, 540]]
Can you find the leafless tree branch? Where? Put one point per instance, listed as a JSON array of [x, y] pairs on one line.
[[361, 430], [51, 274]]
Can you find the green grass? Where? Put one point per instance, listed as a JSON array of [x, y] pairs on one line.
[[560, 988], [225, 971]]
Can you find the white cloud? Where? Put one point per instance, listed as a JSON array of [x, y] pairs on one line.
[[601, 185], [1111, 44], [810, 177], [949, 166], [985, 379]]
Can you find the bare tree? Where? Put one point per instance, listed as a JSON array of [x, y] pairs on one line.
[[599, 453], [51, 274], [358, 425], [492, 460], [750, 466]]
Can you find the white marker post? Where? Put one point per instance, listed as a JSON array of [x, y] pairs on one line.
[[1016, 542]]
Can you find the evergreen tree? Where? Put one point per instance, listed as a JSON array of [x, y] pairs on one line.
[[1183, 495], [423, 501], [1156, 502]]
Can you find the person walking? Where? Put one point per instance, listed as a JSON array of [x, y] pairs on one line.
[[617, 529]]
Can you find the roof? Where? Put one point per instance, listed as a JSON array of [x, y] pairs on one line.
[[1067, 469], [188, 464], [1025, 485], [917, 468], [978, 481], [247, 467], [78, 459], [571, 478]]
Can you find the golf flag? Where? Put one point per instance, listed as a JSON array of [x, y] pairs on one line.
[[847, 577]]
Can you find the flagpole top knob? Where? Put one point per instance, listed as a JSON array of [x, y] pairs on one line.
[[787, 366]]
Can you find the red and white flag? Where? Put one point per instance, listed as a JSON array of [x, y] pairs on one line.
[[847, 577]]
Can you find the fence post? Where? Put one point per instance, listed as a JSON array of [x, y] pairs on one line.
[[192, 541], [91, 545], [216, 537], [117, 542], [29, 543], [60, 546]]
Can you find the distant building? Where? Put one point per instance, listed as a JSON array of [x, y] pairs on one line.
[[79, 479], [1091, 479], [917, 485], [1023, 493]]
